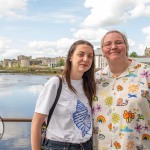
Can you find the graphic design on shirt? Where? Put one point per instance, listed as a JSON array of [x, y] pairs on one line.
[[121, 103], [141, 147], [119, 88], [138, 128], [146, 94], [145, 74], [132, 95], [130, 146], [95, 98], [109, 101], [128, 115], [131, 75], [133, 88], [117, 145], [137, 66], [145, 137], [101, 119], [105, 84], [148, 85], [101, 136], [115, 118], [125, 128], [81, 118], [146, 66], [99, 81], [97, 108], [140, 117]]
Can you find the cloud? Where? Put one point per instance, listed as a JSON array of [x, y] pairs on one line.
[[131, 42], [146, 31], [126, 129], [6, 48], [36, 48], [55, 17], [12, 8], [5, 43], [140, 10], [49, 48], [89, 33], [140, 48], [10, 53], [63, 17], [114, 12]]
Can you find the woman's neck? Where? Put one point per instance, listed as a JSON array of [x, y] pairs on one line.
[[117, 68], [75, 76]]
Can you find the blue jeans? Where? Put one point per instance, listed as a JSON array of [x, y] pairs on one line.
[[55, 145]]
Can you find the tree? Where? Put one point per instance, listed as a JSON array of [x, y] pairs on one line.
[[133, 54], [60, 63]]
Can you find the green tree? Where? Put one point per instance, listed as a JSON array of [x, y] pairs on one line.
[[60, 63], [133, 54]]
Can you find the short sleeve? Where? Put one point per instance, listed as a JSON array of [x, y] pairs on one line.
[[47, 96]]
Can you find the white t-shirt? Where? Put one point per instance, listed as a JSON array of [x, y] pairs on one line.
[[71, 120]]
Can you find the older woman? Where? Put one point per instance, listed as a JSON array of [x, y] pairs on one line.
[[121, 109]]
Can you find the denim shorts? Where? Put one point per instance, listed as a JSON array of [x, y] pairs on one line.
[[55, 145]]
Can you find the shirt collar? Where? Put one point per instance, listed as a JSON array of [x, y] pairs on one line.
[[131, 68]]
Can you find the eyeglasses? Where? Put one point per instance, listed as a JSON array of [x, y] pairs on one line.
[[109, 44]]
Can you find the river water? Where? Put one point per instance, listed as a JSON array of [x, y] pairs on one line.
[[18, 95]]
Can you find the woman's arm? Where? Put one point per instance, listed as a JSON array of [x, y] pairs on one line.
[[37, 121]]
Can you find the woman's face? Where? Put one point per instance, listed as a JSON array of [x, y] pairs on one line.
[[82, 58], [114, 47]]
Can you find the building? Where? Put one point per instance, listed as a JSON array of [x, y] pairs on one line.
[[27, 61], [100, 61], [147, 52], [12, 63], [1, 63], [5, 62]]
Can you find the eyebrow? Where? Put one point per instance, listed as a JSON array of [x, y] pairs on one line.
[[84, 52], [111, 41]]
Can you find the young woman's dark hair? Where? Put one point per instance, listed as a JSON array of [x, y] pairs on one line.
[[89, 85]]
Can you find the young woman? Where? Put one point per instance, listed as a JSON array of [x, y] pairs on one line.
[[71, 124], [121, 110]]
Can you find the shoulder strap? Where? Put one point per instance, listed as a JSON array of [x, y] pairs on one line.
[[56, 100]]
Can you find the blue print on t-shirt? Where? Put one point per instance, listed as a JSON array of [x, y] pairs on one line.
[[82, 118]]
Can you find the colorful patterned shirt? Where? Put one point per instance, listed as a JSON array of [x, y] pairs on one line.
[[121, 109]]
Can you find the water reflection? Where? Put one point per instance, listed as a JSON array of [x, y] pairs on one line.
[[17, 100], [19, 80], [16, 135]]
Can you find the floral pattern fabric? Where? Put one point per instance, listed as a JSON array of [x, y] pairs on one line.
[[121, 109]]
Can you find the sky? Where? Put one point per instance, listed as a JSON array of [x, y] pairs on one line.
[[47, 28]]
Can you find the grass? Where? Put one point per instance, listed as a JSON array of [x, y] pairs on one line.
[[32, 70]]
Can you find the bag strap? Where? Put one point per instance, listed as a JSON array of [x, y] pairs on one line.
[[55, 102]]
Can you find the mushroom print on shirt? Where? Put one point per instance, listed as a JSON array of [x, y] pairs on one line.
[[121, 109]]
